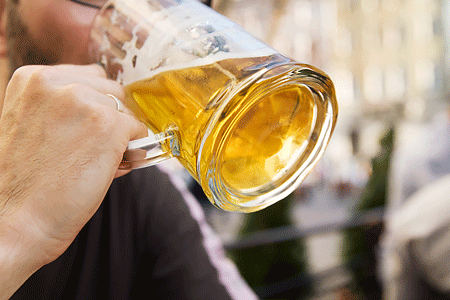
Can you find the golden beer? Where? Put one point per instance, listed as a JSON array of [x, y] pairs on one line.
[[250, 120], [248, 123]]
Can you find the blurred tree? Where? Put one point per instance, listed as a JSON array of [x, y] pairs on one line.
[[360, 242], [277, 270]]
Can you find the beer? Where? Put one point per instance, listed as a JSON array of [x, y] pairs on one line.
[[250, 120], [247, 123]]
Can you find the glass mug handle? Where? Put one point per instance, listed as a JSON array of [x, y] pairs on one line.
[[249, 135], [148, 151]]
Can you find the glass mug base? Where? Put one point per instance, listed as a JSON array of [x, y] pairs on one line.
[[248, 142], [266, 138]]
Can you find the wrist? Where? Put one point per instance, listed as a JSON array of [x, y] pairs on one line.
[[19, 257]]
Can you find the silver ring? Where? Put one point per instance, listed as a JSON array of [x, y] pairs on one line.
[[119, 104]]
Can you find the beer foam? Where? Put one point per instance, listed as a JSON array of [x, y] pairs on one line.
[[188, 35]]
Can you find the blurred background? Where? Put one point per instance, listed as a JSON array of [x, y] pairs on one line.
[[389, 61]]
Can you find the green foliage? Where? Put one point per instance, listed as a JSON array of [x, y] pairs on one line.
[[374, 194], [360, 242], [277, 270]]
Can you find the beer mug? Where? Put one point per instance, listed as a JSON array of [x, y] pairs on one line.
[[247, 122]]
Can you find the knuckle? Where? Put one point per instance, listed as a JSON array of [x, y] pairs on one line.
[[39, 75], [103, 125], [71, 102], [99, 69], [21, 75], [31, 79], [75, 94], [99, 117], [27, 88], [72, 90]]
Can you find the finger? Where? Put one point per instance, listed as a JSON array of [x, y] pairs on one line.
[[88, 94], [115, 103], [93, 76], [83, 70], [103, 86], [137, 130], [99, 83]]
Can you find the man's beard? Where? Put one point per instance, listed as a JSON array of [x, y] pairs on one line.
[[22, 50]]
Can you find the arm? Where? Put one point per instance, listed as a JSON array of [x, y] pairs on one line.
[[59, 133], [189, 258]]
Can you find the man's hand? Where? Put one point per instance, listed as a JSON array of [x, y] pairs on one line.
[[61, 142]]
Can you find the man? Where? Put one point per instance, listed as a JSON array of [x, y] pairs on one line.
[[67, 229], [414, 246]]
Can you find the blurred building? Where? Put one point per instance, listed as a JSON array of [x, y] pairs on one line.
[[392, 55], [386, 57], [389, 61], [388, 64]]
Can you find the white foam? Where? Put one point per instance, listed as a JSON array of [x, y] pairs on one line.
[[173, 38]]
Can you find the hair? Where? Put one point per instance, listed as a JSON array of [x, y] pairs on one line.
[[21, 47]]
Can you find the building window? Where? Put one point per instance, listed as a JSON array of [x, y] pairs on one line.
[[423, 28], [344, 43], [439, 76], [303, 13], [373, 84], [425, 75], [437, 27], [392, 37], [370, 6], [354, 5], [395, 82]]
